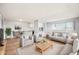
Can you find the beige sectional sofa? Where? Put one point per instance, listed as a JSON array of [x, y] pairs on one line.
[[71, 44], [67, 49], [70, 47]]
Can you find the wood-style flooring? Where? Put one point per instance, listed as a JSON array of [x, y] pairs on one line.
[[11, 46]]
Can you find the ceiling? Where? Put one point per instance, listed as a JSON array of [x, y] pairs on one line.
[[38, 11]]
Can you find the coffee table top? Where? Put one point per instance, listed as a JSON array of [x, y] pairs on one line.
[[44, 45]]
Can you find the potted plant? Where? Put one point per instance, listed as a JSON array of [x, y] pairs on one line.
[[8, 32]]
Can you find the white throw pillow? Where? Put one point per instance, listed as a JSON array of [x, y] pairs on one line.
[[69, 40]]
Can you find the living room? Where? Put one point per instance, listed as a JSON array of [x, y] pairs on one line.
[[39, 29]]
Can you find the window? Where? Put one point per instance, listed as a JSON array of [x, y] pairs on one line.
[[53, 27], [60, 26], [63, 26], [69, 26]]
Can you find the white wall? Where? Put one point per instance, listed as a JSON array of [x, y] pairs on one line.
[[77, 25], [0, 21], [11, 24], [24, 25]]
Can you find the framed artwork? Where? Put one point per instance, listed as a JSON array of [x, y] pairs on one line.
[[17, 27]]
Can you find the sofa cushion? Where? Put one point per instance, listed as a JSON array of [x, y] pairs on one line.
[[74, 37], [60, 39], [70, 41], [75, 45], [67, 49]]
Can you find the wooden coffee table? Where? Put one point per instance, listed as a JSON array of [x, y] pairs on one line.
[[42, 46]]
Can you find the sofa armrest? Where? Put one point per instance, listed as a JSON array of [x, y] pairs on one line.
[[25, 42]]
